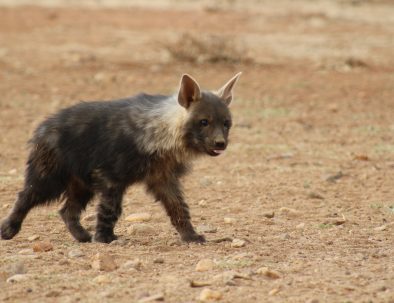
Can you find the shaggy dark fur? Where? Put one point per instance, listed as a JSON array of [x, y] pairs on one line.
[[101, 148]]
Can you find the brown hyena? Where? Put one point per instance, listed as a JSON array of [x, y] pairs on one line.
[[104, 147]]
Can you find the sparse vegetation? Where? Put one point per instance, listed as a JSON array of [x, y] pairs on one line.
[[210, 48]]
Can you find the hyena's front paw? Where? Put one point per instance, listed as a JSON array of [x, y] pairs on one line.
[[104, 237], [9, 229], [193, 237]]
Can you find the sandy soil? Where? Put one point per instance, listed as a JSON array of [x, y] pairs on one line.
[[313, 142]]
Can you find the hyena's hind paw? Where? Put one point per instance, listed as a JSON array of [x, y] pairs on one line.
[[9, 229], [195, 238], [105, 237]]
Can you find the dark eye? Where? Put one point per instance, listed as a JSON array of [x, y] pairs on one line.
[[204, 122], [227, 124]]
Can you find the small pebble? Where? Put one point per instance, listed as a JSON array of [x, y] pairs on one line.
[[141, 229], [202, 203], [17, 278], [268, 214], [75, 253], [380, 228], [229, 220], [53, 294], [269, 273], [33, 238], [102, 279], [156, 297], [139, 217], [274, 291], [205, 265], [315, 195], [43, 246], [237, 243], [158, 260], [26, 251], [210, 295], [300, 226], [132, 264], [103, 262]]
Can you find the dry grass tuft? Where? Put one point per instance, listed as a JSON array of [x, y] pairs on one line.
[[206, 49]]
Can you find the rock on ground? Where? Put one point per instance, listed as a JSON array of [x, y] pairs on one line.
[[104, 262]]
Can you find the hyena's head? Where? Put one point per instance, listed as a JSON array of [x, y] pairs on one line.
[[209, 119]]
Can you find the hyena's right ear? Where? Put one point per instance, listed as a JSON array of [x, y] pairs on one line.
[[189, 91]]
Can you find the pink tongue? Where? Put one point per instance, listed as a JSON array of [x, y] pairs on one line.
[[218, 151]]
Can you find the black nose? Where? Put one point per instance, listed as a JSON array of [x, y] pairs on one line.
[[220, 144]]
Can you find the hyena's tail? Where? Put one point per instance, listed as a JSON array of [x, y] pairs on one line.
[[45, 181]]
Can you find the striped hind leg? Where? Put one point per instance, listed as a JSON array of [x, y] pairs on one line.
[[39, 189]]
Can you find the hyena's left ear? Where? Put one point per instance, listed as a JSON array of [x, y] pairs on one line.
[[189, 91], [225, 93]]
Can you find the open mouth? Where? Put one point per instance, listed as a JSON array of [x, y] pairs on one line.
[[216, 152]]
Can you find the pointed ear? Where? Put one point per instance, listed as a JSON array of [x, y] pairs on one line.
[[189, 91], [225, 93]]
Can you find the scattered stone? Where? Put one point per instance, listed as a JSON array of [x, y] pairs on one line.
[[290, 212], [141, 229], [43, 246], [33, 238], [156, 297], [205, 228], [300, 226], [89, 218], [12, 171], [315, 195], [237, 243], [103, 262], [5, 206], [274, 291], [53, 294], [202, 203], [229, 220], [158, 260], [26, 251], [194, 283], [210, 295], [335, 177], [64, 262], [380, 228], [361, 158], [228, 277], [132, 264], [268, 214], [335, 221], [269, 273], [223, 239], [205, 265], [75, 253], [17, 278], [102, 279], [284, 236], [139, 217]]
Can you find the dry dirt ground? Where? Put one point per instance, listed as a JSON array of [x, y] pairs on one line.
[[313, 142]]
